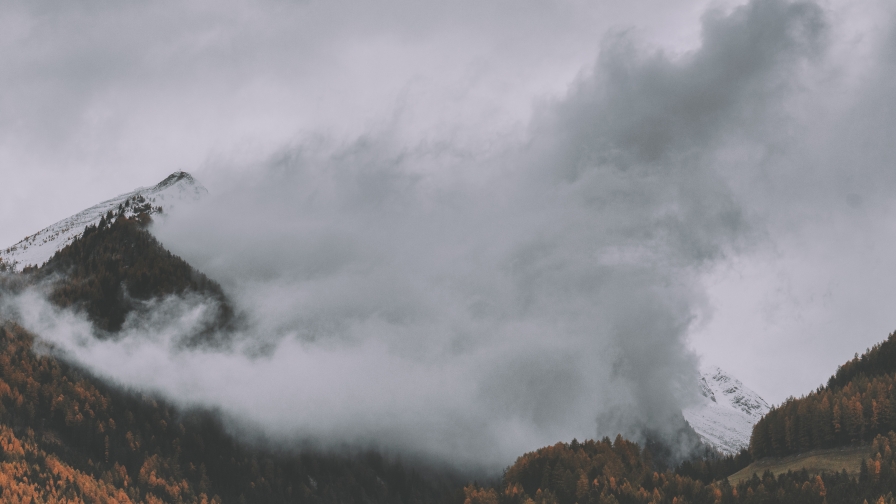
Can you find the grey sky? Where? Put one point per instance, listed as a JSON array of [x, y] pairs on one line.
[[594, 194], [99, 98]]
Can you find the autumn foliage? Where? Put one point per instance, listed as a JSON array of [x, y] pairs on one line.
[[858, 404], [857, 407], [68, 437], [619, 472]]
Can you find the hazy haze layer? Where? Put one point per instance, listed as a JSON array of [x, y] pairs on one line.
[[471, 230]]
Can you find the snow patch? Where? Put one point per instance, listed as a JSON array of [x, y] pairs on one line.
[[727, 411], [178, 188]]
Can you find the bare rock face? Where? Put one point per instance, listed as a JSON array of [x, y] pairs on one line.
[[178, 188]]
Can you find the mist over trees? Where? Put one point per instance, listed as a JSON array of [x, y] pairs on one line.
[[856, 407], [66, 434], [68, 437], [455, 231], [117, 265]]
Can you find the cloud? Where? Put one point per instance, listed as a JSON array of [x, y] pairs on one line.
[[818, 290], [470, 291], [474, 304], [100, 98]]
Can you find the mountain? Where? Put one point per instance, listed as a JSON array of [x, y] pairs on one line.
[[834, 445], [178, 188], [104, 263], [621, 472], [727, 411], [116, 267], [858, 404], [67, 436]]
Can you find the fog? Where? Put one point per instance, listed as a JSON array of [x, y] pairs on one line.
[[469, 282]]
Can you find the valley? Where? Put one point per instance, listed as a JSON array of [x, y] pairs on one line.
[[466, 252]]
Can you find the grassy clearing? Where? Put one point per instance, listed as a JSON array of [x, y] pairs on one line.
[[818, 461]]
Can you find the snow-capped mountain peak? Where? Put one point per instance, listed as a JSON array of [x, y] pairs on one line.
[[726, 412], [730, 391], [178, 188], [177, 177]]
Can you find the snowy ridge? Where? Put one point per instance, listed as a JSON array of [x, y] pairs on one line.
[[727, 411], [35, 250]]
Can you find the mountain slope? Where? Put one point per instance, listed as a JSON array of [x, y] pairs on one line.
[[69, 437], [877, 360], [178, 188], [858, 404], [620, 472], [860, 412], [727, 411], [66, 436], [114, 268]]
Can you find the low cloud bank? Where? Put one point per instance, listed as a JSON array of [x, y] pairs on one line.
[[470, 304]]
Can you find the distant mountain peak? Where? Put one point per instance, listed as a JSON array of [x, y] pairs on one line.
[[173, 179], [727, 411], [739, 396], [178, 188]]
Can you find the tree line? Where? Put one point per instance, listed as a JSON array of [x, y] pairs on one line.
[[69, 437], [858, 404], [117, 265], [620, 472], [66, 436]]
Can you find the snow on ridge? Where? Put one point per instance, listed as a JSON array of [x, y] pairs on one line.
[[35, 250], [725, 415], [734, 392]]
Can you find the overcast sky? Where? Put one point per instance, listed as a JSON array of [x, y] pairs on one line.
[[725, 171]]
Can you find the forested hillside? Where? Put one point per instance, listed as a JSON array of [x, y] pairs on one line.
[[878, 360], [619, 472], [115, 266], [68, 437], [858, 404]]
